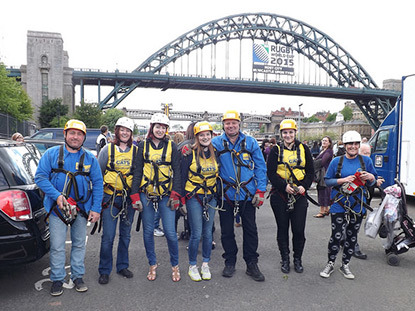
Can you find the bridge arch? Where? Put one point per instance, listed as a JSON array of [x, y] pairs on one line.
[[314, 44]]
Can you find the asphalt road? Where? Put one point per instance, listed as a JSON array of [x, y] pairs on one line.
[[377, 285]]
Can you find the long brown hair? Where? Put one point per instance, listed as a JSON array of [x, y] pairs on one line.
[[117, 137], [199, 148]]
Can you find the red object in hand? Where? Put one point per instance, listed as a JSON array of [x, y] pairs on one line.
[[357, 180], [71, 201], [135, 197]]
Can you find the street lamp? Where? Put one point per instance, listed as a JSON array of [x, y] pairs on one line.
[[299, 119]]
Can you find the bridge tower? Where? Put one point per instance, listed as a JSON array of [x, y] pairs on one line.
[[47, 74]]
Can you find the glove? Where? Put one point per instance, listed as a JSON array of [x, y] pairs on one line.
[[258, 198], [186, 150], [174, 201], [136, 202], [183, 210]]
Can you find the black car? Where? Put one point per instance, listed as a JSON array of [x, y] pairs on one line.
[[24, 233]]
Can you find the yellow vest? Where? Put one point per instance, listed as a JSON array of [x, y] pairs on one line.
[[153, 166], [290, 157], [122, 163], [207, 174]]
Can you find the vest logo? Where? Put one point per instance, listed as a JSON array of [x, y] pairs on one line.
[[208, 169], [123, 162], [87, 168], [245, 156]]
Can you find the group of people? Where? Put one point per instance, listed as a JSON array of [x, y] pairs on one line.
[[226, 173]]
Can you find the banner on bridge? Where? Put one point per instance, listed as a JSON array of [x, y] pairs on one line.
[[272, 58]]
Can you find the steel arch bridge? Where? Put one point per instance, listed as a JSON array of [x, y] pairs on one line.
[[348, 79]]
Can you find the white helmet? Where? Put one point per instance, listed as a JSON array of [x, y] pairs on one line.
[[126, 122], [351, 137], [161, 118]]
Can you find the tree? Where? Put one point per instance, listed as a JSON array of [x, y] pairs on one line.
[[90, 114], [50, 110], [311, 119], [331, 117], [347, 113], [110, 117], [14, 101]]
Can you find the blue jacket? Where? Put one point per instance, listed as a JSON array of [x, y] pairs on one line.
[[228, 167], [52, 183], [350, 166]]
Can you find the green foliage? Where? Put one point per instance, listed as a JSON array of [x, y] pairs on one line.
[[14, 101], [110, 117], [50, 110], [59, 121], [90, 114], [262, 129], [331, 117], [217, 126], [347, 113], [311, 119]]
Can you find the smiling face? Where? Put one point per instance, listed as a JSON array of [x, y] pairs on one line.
[[231, 127], [204, 138], [352, 149], [124, 134], [159, 130], [288, 136], [74, 138]]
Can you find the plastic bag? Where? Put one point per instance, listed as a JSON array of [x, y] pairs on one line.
[[374, 221]]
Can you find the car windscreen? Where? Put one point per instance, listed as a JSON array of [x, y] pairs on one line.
[[22, 163], [91, 140]]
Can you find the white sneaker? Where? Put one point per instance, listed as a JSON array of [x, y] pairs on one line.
[[158, 232], [346, 271], [194, 274], [328, 270], [206, 275]]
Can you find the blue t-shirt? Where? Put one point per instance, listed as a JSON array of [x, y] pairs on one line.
[[350, 167]]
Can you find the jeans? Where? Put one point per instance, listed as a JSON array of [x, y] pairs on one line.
[[58, 231], [200, 227], [168, 221], [157, 220], [250, 233], [109, 228]]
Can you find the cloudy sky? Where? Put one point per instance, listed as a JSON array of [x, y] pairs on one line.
[[107, 35]]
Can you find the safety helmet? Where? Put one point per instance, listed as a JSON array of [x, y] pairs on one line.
[[351, 137], [202, 126], [231, 115], [75, 124], [161, 118], [126, 122], [288, 124]]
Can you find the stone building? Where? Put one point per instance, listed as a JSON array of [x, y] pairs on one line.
[[47, 74]]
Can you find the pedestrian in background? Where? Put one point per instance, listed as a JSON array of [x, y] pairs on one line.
[[102, 139], [18, 137]]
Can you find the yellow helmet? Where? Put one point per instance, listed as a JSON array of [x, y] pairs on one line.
[[288, 124], [202, 126], [231, 115], [75, 124]]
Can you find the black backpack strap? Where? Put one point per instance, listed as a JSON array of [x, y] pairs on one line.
[[339, 167], [362, 162]]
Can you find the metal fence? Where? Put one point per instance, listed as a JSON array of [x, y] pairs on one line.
[[10, 125]]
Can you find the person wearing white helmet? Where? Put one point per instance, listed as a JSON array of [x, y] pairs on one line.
[[348, 175], [156, 186], [116, 162]]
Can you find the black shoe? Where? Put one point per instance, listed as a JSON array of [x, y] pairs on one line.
[[298, 267], [126, 273], [80, 285], [360, 255], [103, 279], [253, 271], [285, 266], [228, 271], [57, 288]]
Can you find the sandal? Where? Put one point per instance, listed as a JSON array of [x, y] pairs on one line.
[[327, 213], [152, 274], [319, 215], [175, 276]]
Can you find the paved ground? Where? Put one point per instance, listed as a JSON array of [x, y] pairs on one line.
[[377, 286]]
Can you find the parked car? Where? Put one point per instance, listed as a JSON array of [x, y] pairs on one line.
[[57, 134], [43, 144], [24, 232]]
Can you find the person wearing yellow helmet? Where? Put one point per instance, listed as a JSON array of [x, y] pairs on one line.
[[243, 171], [65, 174], [290, 170], [199, 172], [156, 186]]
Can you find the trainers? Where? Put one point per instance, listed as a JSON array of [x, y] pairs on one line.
[[126, 273], [228, 271], [346, 271], [57, 288], [194, 274], [80, 285], [158, 232], [206, 275], [327, 270], [103, 279], [253, 271]]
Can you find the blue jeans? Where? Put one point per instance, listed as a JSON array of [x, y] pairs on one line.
[[199, 227], [57, 255], [109, 228], [168, 221]]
